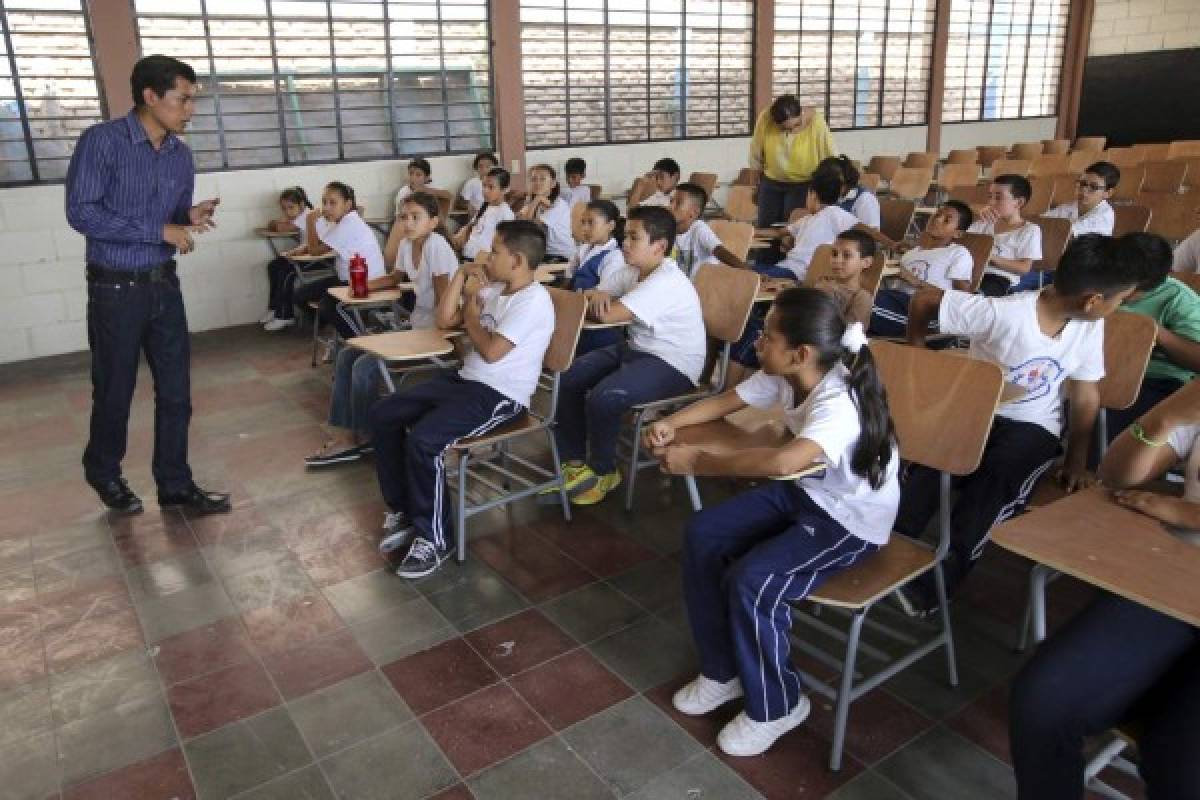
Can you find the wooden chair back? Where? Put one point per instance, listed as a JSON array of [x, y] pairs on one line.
[[726, 297], [1123, 156], [911, 183], [577, 212], [1056, 146], [597, 190], [1010, 166], [1164, 176], [872, 276], [740, 203], [734, 235], [1026, 151], [963, 157], [1039, 201], [1172, 216], [569, 310], [1091, 144], [445, 201], [706, 181], [1191, 179], [1130, 219], [883, 166], [1056, 232], [1192, 279], [1062, 189], [979, 245], [971, 195], [1184, 148], [1079, 160], [820, 265], [1130, 186], [643, 187], [920, 160], [990, 154], [1156, 151], [1128, 341], [954, 175], [1050, 164], [942, 404], [870, 180], [747, 177], [895, 215]]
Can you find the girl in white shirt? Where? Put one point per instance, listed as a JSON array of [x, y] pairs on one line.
[[748, 559], [858, 200], [597, 261], [295, 205], [472, 190], [476, 237], [420, 174], [546, 206]]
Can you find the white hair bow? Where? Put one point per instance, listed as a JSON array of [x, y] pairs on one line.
[[854, 338]]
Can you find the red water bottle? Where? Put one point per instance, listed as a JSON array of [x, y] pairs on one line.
[[358, 276]]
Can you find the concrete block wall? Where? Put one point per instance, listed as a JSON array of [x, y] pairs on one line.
[[1138, 26]]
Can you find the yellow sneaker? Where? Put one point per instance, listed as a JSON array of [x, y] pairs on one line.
[[603, 485], [577, 476]]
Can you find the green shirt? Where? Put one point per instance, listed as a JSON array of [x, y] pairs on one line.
[[1174, 306]]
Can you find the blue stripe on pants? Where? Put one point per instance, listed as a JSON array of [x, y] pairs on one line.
[[744, 561]]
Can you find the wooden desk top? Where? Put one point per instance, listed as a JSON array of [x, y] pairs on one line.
[[405, 345], [593, 325], [1089, 536], [267, 233], [771, 287], [742, 430], [376, 296], [311, 259]]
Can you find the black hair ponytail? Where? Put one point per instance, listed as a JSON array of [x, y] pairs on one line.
[[609, 211], [297, 195], [345, 191], [811, 317]]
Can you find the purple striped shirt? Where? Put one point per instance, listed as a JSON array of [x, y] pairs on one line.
[[121, 192]]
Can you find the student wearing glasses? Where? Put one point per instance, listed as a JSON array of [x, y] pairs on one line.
[[1091, 213]]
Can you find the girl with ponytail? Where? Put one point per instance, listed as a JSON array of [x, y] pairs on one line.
[[746, 560]]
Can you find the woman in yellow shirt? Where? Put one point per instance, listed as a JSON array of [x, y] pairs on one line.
[[789, 142]]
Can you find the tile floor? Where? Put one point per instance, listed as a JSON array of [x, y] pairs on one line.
[[269, 653]]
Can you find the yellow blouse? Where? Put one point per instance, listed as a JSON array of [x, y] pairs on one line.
[[790, 157]]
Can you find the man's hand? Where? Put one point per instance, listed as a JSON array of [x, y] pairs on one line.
[[180, 236], [201, 215]]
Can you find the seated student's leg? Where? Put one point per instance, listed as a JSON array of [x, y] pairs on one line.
[[570, 432], [278, 270], [594, 340], [994, 286], [1171, 715], [390, 420], [768, 270], [1153, 392], [366, 380], [338, 316], [317, 290], [889, 317], [1033, 280], [1088, 677]]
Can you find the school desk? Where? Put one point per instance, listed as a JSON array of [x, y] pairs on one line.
[[375, 298]]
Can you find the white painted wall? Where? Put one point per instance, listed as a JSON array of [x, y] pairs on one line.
[[43, 296], [1138, 26]]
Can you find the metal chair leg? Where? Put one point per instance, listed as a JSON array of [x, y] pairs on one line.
[[316, 331], [635, 449], [460, 509], [562, 483], [939, 578], [842, 712]]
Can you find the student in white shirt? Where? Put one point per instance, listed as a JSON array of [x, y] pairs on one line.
[[476, 236], [576, 191], [664, 356], [695, 242], [666, 177], [1016, 243], [1091, 213], [546, 205], [509, 319], [1050, 343], [824, 221], [471, 193], [1119, 659], [281, 277], [598, 260], [939, 261], [420, 173], [746, 560], [1187, 254], [418, 248]]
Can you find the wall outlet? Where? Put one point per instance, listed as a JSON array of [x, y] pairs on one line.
[[516, 166]]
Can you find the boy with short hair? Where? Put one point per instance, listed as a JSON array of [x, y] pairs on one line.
[[575, 191], [1050, 343], [509, 319], [938, 260], [663, 358], [695, 242], [853, 253], [824, 221], [1091, 213], [472, 191], [666, 178], [420, 173], [1017, 243]]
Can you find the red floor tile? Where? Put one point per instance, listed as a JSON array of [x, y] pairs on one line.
[[317, 664], [519, 642], [440, 675], [595, 544], [48, 505], [797, 766], [92, 639], [24, 435], [291, 623], [537, 569], [201, 650], [232, 395], [703, 729], [24, 652], [355, 557], [162, 776], [91, 600], [218, 698], [484, 728], [214, 529], [152, 536], [878, 725], [570, 688], [985, 722]]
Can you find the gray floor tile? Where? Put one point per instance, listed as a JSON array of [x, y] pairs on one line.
[[25, 710], [402, 630], [115, 737], [648, 653], [925, 686], [304, 784], [29, 768], [170, 575], [182, 611], [592, 612], [60, 541], [701, 778], [17, 586], [869, 786], [631, 744], [366, 596], [653, 585], [942, 764], [547, 771], [482, 599], [234, 555], [403, 764], [100, 685], [281, 578], [74, 569], [348, 712], [245, 755]]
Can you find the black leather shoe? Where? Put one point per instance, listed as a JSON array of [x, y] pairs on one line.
[[118, 496], [196, 501]]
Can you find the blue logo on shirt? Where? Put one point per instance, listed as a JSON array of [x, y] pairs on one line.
[[1037, 376]]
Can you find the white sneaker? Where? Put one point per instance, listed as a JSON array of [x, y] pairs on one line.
[[267, 317], [745, 737], [704, 695], [278, 324]]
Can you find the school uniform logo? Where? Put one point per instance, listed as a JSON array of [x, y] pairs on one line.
[[1038, 377], [918, 267], [487, 321]]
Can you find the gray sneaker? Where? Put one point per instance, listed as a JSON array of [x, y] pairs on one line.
[[422, 559]]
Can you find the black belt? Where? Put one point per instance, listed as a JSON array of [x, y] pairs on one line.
[[159, 273]]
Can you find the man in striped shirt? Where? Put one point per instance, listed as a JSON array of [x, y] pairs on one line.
[[129, 192]]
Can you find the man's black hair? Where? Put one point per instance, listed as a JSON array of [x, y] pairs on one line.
[[158, 73]]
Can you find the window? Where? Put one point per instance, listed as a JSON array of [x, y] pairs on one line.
[[1004, 59], [297, 81], [865, 63], [597, 71], [48, 89]]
